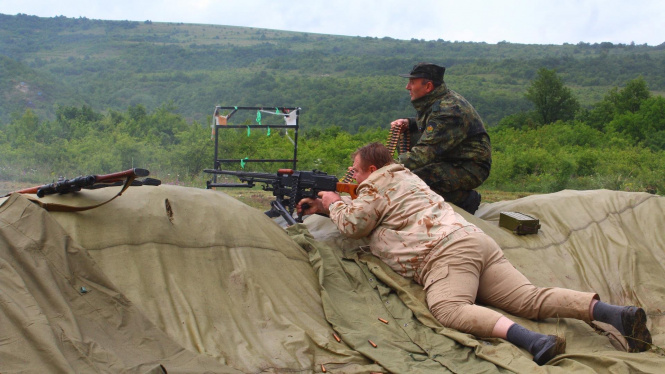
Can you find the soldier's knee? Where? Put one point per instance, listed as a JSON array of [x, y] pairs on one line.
[[447, 312]]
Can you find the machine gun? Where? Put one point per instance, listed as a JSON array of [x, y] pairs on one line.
[[288, 186]]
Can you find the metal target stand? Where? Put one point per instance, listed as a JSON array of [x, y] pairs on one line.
[[217, 118]]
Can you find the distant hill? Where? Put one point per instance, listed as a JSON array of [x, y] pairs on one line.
[[350, 82]]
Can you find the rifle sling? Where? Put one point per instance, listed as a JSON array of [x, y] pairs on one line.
[[53, 207]]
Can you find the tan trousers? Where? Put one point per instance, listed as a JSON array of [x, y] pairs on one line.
[[474, 268]]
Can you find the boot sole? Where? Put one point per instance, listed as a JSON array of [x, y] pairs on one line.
[[559, 347], [634, 321]]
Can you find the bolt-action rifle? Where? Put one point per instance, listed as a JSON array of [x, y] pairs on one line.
[[63, 186], [288, 186]]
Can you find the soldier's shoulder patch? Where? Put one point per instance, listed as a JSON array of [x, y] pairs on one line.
[[429, 128]]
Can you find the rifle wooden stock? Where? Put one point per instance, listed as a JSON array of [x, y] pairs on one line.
[[349, 188], [30, 190], [121, 175]]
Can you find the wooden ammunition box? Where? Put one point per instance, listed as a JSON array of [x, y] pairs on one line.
[[519, 223]]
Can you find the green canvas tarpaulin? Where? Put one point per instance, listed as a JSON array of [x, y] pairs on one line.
[[188, 280]]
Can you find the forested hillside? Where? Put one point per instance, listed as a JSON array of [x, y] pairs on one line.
[[345, 81], [89, 96]]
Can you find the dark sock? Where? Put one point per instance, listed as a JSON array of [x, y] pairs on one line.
[[542, 347], [609, 313]]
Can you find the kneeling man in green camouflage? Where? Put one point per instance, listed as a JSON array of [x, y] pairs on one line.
[[450, 149]]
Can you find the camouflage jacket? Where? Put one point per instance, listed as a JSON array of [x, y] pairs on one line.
[[407, 223], [447, 129]]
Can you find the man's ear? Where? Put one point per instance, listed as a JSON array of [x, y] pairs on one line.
[[429, 86], [372, 168]]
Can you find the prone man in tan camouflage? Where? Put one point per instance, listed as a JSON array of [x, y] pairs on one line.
[[420, 236], [450, 149]]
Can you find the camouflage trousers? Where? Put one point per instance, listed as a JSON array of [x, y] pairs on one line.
[[453, 180]]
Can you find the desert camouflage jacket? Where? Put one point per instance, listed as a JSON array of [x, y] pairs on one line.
[[407, 222], [447, 129]]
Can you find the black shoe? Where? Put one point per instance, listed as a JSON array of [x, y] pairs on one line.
[[634, 323], [553, 345]]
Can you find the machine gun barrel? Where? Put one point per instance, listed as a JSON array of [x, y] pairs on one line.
[[246, 174], [249, 179]]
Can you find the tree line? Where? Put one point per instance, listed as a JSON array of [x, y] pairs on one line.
[[617, 143]]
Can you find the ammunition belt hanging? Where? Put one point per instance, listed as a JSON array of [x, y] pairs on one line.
[[397, 141]]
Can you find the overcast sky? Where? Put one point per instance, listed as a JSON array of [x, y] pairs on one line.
[[515, 21]]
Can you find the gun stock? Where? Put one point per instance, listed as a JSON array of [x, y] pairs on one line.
[[121, 175], [349, 188]]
